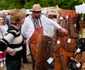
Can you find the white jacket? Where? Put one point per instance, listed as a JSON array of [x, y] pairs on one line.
[[28, 26]]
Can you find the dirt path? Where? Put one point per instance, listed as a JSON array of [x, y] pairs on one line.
[[25, 66]]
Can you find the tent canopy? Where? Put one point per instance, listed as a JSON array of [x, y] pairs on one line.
[[80, 8]]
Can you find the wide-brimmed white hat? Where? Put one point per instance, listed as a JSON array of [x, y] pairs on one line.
[[36, 7]]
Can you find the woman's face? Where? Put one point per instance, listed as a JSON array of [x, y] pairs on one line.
[[1, 21], [22, 20]]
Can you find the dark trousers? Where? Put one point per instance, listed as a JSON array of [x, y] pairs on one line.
[[13, 65]]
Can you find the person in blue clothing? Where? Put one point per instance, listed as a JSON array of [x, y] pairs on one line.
[[7, 21]]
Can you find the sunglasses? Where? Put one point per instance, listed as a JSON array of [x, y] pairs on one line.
[[36, 11]]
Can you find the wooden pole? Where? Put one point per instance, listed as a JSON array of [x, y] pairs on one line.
[[82, 17]]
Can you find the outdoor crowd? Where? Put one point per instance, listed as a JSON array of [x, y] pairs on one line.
[[19, 35]]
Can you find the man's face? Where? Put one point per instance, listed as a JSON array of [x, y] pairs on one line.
[[36, 14]]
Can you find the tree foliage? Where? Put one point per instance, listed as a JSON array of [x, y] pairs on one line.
[[65, 4]]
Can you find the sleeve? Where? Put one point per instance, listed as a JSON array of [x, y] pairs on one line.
[[9, 37], [27, 28], [5, 41], [24, 28], [52, 22], [3, 46]]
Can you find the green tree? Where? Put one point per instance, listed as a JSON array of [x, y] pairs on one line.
[[65, 4]]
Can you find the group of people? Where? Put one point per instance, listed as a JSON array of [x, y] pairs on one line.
[[32, 27], [3, 29]]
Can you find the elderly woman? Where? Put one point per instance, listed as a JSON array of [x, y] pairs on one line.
[[14, 40]]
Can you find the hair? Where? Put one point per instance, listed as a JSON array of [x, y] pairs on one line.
[[16, 16], [2, 15]]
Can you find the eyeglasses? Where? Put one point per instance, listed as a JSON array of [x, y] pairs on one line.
[[36, 11]]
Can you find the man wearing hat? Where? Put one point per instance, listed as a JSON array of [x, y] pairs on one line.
[[34, 26]]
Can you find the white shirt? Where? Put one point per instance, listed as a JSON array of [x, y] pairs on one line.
[[28, 26], [3, 30]]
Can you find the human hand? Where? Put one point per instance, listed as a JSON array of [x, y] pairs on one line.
[[26, 41], [13, 53], [64, 30]]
